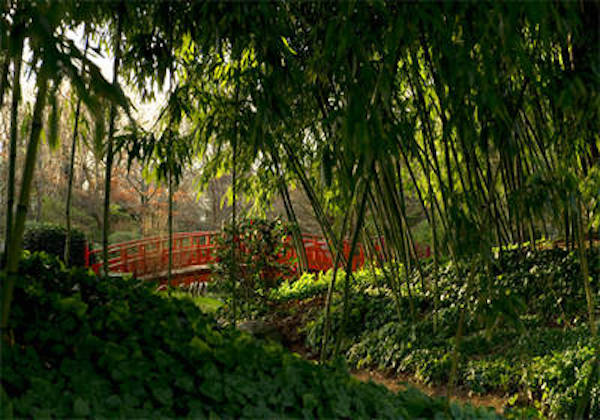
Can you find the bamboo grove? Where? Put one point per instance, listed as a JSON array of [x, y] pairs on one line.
[[487, 114]]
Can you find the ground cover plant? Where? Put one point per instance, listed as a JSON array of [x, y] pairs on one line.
[[525, 337], [83, 346]]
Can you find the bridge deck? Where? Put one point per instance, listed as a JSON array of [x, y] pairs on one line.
[[179, 272]]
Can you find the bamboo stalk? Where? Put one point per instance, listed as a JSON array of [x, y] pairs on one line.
[[12, 159], [16, 243], [67, 252], [109, 154]]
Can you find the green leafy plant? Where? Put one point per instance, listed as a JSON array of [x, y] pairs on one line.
[[89, 347], [50, 238], [524, 336], [248, 259]]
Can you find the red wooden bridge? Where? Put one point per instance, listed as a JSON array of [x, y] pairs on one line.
[[193, 255]]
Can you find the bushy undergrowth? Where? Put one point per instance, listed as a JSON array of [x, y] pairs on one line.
[[51, 238], [89, 347], [525, 333]]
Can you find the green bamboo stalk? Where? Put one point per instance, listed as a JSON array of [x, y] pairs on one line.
[[234, 247], [330, 289], [326, 228], [354, 242], [16, 243], [170, 226], [459, 332], [386, 255], [67, 252], [4, 78], [291, 214], [110, 153], [585, 272], [12, 159]]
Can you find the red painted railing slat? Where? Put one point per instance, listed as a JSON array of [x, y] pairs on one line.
[[150, 255]]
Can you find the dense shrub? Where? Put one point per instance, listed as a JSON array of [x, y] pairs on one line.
[[252, 268], [51, 238], [89, 347]]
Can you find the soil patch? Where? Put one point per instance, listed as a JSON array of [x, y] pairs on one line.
[[400, 382]]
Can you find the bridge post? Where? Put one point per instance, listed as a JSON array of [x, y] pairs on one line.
[[123, 252], [86, 254], [142, 257]]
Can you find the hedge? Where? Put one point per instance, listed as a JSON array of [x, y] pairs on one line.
[[50, 238]]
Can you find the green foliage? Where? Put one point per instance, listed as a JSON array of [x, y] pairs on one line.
[[123, 236], [248, 265], [524, 335], [50, 238], [88, 347], [308, 285]]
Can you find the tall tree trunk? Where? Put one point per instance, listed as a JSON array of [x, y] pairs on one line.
[[234, 247], [67, 253], [12, 160], [585, 273], [4, 78], [109, 155], [16, 242], [234, 261], [170, 223]]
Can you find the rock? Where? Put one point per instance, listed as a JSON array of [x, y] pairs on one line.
[[261, 329]]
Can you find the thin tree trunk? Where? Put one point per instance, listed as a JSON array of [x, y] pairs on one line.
[[296, 232], [67, 253], [234, 261], [170, 223], [436, 296], [346, 297], [459, 333], [584, 269], [291, 214], [4, 78], [330, 290], [385, 256], [12, 160], [16, 242], [330, 237], [234, 247], [109, 155]]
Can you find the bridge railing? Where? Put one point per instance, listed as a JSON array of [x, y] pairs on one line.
[[150, 256]]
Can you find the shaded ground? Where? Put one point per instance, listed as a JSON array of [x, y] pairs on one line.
[[290, 317], [400, 382]]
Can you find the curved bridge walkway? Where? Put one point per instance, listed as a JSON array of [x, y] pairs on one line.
[[193, 255]]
